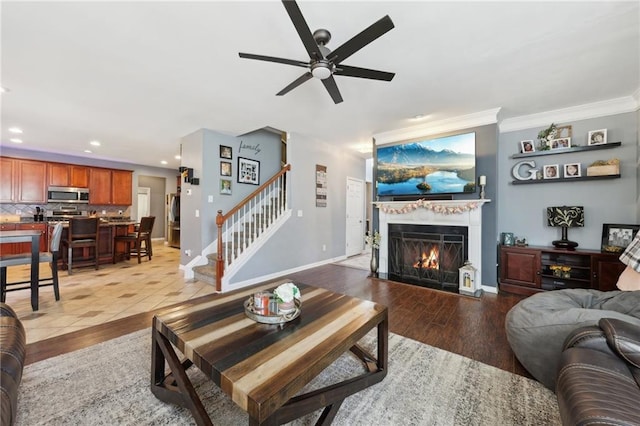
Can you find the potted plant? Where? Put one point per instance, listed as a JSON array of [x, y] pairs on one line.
[[285, 295]]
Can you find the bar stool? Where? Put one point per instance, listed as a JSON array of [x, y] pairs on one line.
[[140, 236], [83, 233]]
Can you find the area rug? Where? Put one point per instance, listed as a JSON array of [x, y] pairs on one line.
[[360, 261], [108, 384]]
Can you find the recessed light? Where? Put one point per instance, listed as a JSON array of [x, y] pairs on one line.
[[163, 162], [16, 140], [177, 157], [95, 143], [15, 130], [88, 151]]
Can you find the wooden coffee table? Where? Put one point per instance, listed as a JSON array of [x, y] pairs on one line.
[[261, 366]]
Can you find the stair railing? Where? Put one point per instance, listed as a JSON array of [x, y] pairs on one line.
[[245, 222]]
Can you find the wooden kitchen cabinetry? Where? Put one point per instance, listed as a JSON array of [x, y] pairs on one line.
[[528, 270], [23, 181], [17, 248], [110, 187], [60, 174]]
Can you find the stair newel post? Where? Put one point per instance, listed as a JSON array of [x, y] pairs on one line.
[[219, 259]]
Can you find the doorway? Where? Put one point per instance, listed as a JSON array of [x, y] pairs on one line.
[[355, 216]]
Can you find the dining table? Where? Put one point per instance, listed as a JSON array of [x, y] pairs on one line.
[[25, 236]]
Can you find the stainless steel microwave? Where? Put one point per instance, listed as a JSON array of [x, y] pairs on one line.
[[66, 194]]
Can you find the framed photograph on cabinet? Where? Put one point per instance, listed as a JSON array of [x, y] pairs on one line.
[[597, 137], [572, 170], [527, 146], [225, 187], [560, 143], [225, 168], [225, 152], [551, 171], [248, 171], [616, 237]]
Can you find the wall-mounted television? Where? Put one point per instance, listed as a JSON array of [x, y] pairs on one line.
[[445, 165]]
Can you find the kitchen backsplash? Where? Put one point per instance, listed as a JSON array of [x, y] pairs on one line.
[[27, 210]]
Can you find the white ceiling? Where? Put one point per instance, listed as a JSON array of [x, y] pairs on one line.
[[138, 76]]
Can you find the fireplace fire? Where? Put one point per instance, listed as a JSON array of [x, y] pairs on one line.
[[427, 255]]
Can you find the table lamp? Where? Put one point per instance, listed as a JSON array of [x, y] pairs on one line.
[[565, 217]]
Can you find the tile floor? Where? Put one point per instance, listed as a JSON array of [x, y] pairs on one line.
[[90, 297]]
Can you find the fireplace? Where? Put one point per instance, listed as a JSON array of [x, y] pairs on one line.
[[462, 224], [427, 255]]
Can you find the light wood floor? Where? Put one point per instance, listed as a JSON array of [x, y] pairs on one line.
[[472, 327]]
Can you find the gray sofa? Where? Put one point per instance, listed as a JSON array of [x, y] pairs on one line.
[[12, 354], [538, 325]]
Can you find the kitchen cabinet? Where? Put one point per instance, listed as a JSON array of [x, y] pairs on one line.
[[60, 174], [16, 248], [528, 270], [23, 181], [110, 187]]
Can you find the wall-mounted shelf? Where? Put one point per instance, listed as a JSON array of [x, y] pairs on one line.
[[573, 179], [567, 150]]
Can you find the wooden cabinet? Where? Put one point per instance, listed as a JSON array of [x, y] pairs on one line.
[[528, 270], [16, 248], [23, 181], [110, 187], [68, 175], [121, 187], [8, 182]]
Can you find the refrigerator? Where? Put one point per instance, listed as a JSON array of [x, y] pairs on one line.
[[173, 220]]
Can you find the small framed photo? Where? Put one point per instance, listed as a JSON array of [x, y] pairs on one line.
[[225, 152], [572, 170], [597, 137], [616, 237], [560, 143], [527, 146], [551, 171], [225, 168], [248, 171], [563, 132], [225, 187]]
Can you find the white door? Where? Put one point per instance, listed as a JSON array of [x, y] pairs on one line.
[[144, 202], [355, 216]]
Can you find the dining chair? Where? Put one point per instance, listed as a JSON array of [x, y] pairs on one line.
[[138, 242], [50, 257], [83, 234]]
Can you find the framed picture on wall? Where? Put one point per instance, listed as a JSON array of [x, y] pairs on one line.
[[597, 137], [527, 146], [551, 171], [225, 152], [572, 170], [225, 186], [560, 143], [248, 171], [616, 237], [225, 168]]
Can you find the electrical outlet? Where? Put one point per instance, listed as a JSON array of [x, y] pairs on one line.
[[324, 247], [188, 252], [104, 212], [18, 212], [299, 213], [197, 213], [210, 199], [120, 212]]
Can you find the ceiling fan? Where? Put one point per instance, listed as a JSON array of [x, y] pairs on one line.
[[324, 63]]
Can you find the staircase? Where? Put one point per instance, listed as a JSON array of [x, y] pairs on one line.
[[244, 229]]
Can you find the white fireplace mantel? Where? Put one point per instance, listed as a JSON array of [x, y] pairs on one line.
[[466, 213]]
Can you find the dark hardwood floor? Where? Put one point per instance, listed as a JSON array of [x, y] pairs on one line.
[[469, 326]]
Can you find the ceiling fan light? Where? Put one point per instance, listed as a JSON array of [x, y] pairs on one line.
[[321, 72]]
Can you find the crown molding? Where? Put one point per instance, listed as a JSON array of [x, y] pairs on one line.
[[580, 112], [480, 118]]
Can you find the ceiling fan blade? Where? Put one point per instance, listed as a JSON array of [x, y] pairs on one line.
[[297, 82], [274, 59], [303, 29], [332, 88], [359, 41], [363, 73]]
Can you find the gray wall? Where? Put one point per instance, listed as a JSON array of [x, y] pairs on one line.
[[522, 208], [300, 241], [201, 151]]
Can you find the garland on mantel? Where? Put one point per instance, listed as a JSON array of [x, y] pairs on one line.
[[430, 205]]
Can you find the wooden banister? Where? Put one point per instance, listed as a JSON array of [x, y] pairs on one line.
[[222, 218]]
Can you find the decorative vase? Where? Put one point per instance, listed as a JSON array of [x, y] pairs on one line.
[[374, 262]]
